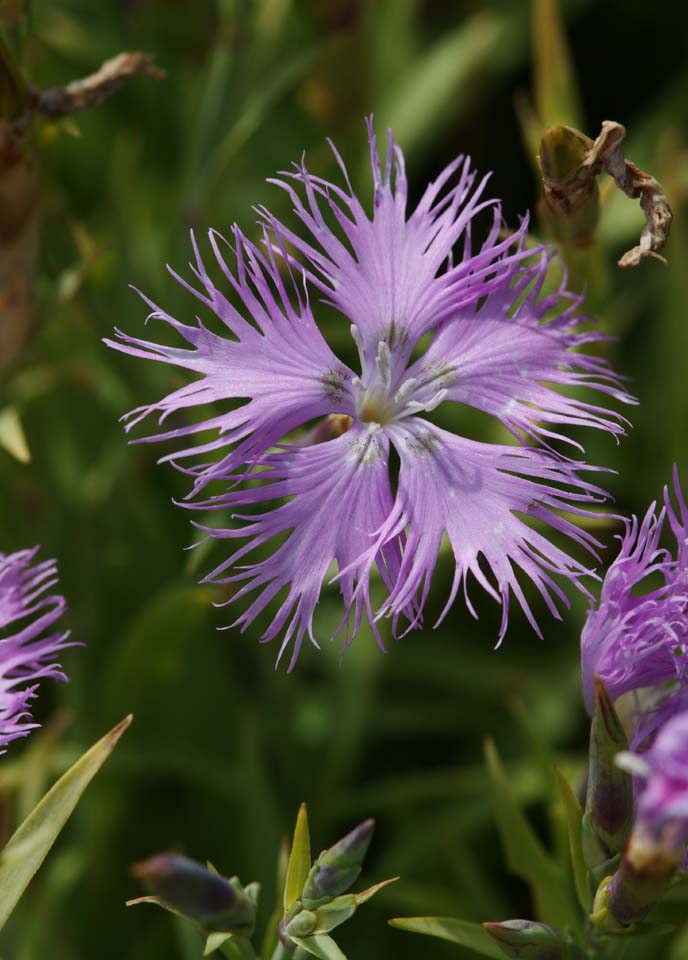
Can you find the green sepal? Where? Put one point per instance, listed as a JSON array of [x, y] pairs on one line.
[[252, 892], [609, 801], [330, 915], [320, 946], [299, 860], [156, 901], [214, 942], [233, 946]]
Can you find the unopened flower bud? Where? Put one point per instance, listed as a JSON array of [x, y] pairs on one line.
[[190, 889], [528, 940], [609, 799], [570, 192], [337, 868], [647, 868], [302, 924]]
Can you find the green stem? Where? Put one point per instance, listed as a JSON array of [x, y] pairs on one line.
[[232, 949], [283, 953]]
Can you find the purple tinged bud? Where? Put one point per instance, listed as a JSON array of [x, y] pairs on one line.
[[646, 870], [609, 799], [192, 890], [527, 940], [338, 868]]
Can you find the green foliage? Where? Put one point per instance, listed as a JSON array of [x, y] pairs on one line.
[[470, 935], [224, 747], [29, 845]]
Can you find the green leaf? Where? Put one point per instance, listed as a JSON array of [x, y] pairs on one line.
[[12, 437], [574, 817], [371, 891], [299, 860], [525, 854], [556, 89], [271, 937], [30, 844], [232, 946], [320, 946], [466, 934]]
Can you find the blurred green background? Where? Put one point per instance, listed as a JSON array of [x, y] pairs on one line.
[[223, 747]]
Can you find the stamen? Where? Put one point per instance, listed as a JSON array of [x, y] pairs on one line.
[[407, 387], [416, 406], [436, 400], [383, 362], [358, 340]]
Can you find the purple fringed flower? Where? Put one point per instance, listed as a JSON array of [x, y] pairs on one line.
[[636, 640], [499, 345], [27, 649]]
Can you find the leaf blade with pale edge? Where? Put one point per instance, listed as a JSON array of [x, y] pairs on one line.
[[29, 845], [299, 860], [462, 932]]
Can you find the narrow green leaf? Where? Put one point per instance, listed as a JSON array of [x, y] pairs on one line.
[[299, 860], [371, 891], [320, 946], [525, 854], [574, 817], [30, 844], [556, 89], [271, 937], [232, 946], [466, 934], [12, 437], [214, 942]]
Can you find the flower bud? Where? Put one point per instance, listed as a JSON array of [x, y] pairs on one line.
[[528, 940], [337, 868], [191, 890], [571, 195], [646, 870], [609, 798]]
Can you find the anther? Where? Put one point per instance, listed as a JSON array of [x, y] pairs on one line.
[[407, 387], [383, 362]]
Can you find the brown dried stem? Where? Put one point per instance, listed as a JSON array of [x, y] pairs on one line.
[[90, 91], [605, 155]]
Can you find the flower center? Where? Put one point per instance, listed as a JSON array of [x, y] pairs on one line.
[[377, 401]]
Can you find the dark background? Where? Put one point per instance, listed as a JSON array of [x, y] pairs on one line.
[[224, 747]]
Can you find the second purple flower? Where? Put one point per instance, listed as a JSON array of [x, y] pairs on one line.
[[498, 345]]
